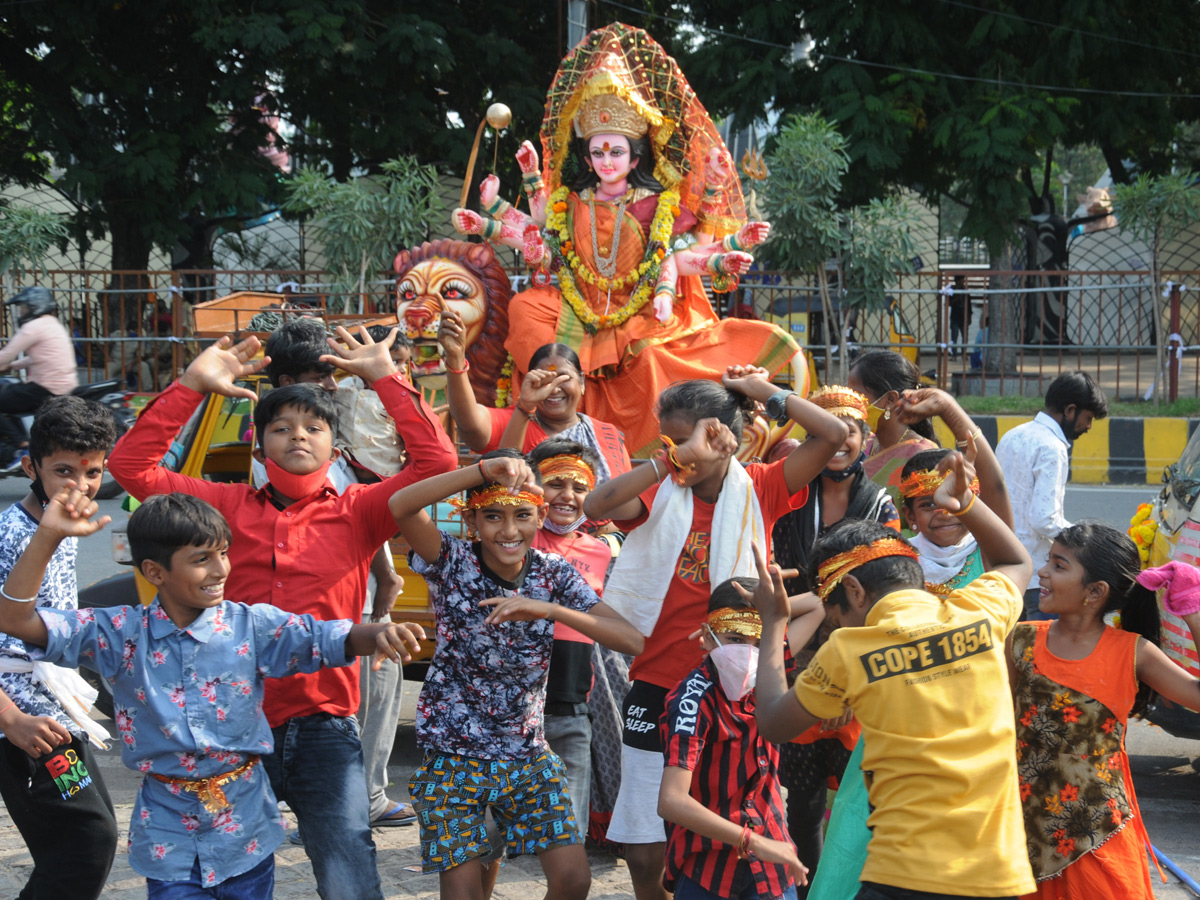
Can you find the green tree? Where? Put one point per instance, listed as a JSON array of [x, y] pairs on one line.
[[26, 236], [868, 244], [1157, 209], [362, 222]]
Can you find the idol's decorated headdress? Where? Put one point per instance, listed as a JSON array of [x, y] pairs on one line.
[[831, 572], [742, 621], [567, 465], [628, 65], [838, 400]]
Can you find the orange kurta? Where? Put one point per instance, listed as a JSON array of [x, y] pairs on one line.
[[626, 367]]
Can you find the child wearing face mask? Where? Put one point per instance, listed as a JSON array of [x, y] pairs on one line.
[[726, 831]]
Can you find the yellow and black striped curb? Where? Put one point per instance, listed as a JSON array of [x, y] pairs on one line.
[[1115, 451]]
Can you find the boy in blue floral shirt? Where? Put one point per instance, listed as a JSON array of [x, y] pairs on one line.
[[46, 732], [479, 717], [187, 676]]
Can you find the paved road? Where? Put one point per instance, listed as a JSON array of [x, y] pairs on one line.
[[1168, 787]]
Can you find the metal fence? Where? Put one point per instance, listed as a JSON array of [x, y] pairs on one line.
[[137, 325]]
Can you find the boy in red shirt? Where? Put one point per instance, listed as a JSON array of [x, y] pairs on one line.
[[298, 545]]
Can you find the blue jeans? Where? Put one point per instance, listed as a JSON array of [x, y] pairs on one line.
[[743, 886], [256, 884], [317, 768]]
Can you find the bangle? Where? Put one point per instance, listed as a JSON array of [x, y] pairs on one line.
[[528, 413], [657, 474], [11, 704], [966, 509], [744, 844], [8, 596], [482, 474], [463, 371], [971, 436]]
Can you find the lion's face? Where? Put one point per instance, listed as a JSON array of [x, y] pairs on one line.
[[424, 292]]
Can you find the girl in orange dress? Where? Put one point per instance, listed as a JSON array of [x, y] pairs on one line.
[[1076, 681]]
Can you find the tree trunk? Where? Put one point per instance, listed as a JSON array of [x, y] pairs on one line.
[[826, 316], [1160, 324], [128, 286], [1002, 324]]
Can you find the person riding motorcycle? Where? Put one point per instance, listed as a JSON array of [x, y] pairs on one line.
[[42, 347]]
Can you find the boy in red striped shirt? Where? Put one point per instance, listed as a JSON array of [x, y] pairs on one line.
[[726, 829]]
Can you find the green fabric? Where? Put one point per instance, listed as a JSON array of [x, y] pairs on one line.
[[846, 839]]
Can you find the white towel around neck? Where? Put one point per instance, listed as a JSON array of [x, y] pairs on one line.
[[940, 564], [642, 574]]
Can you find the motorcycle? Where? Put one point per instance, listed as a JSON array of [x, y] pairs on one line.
[[112, 394]]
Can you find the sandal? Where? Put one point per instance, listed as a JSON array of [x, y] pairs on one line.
[[400, 814]]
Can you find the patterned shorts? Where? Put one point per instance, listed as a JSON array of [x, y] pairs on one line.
[[528, 798]]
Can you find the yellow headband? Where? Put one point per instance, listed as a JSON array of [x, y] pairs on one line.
[[922, 484], [833, 570], [840, 401], [735, 621], [495, 494], [567, 466]]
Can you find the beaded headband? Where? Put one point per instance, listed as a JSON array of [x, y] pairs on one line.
[[833, 570], [735, 621], [567, 466], [840, 401], [924, 483], [495, 494]]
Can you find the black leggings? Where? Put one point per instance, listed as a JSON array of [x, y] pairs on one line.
[[805, 769], [71, 838], [15, 401]]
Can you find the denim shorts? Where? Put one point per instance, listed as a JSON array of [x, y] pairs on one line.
[[528, 799]]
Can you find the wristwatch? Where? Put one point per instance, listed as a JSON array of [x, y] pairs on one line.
[[777, 405]]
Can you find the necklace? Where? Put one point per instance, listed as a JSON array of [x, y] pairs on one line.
[[607, 266]]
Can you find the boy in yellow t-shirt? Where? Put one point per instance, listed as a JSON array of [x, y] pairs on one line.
[[927, 678]]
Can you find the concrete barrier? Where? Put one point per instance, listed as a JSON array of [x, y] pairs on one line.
[[1116, 451]]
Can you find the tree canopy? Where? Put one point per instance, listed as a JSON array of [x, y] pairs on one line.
[[954, 96]]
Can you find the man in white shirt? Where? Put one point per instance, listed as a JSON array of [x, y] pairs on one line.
[[1035, 460]]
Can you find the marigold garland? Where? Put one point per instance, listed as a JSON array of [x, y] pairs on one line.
[[644, 275], [1142, 528], [504, 384]]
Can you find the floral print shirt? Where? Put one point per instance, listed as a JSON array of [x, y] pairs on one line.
[[1071, 761], [485, 691], [188, 704], [58, 591]]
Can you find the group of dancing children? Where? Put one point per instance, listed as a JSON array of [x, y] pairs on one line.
[[986, 757]]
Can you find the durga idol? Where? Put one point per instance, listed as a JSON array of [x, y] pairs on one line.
[[636, 200]]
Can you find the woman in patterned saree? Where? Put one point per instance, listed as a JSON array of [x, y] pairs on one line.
[[1076, 681]]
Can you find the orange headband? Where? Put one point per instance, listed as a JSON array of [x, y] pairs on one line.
[[840, 401], [736, 621], [495, 493], [924, 483], [567, 466], [833, 570]]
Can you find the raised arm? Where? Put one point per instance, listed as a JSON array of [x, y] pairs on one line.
[[996, 540], [537, 385], [924, 403], [408, 504], [68, 514], [135, 461], [474, 423], [826, 433], [601, 623]]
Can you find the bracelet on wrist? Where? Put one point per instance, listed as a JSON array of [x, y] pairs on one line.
[[744, 843], [482, 474], [528, 413], [7, 596], [657, 473], [11, 704], [971, 436], [966, 509], [463, 371]]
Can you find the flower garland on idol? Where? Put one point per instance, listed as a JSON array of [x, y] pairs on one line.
[[644, 275]]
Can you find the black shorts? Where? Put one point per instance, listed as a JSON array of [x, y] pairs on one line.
[[642, 712]]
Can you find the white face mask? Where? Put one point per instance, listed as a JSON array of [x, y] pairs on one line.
[[737, 666]]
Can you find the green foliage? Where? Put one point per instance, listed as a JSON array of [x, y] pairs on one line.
[[1157, 208], [876, 245], [362, 222], [26, 236], [807, 165]]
